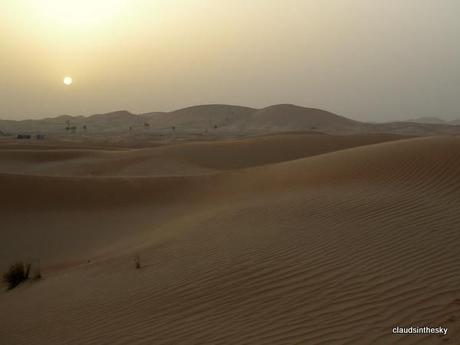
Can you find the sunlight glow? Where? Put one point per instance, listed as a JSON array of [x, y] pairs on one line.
[[80, 13]]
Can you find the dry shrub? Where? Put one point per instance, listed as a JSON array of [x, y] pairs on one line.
[[16, 274]]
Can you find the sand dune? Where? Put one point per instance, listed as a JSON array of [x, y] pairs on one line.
[[335, 248], [182, 158], [213, 120]]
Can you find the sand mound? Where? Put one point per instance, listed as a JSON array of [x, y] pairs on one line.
[[331, 249]]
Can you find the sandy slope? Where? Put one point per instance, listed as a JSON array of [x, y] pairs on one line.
[[330, 249], [190, 158]]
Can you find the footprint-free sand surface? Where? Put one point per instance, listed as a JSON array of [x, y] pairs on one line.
[[279, 239]]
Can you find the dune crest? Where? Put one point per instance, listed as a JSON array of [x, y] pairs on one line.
[[328, 248]]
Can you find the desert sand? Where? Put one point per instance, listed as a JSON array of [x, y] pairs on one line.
[[275, 239]]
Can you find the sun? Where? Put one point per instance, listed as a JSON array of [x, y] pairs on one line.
[[68, 81]]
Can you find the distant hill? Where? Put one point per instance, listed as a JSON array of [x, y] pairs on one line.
[[434, 120], [427, 120], [277, 118], [222, 119]]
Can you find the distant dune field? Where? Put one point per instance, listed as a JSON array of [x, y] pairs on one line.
[[278, 239], [215, 120]]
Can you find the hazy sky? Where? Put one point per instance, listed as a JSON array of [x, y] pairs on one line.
[[375, 60]]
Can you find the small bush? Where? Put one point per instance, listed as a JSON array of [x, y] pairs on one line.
[[17, 274]]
